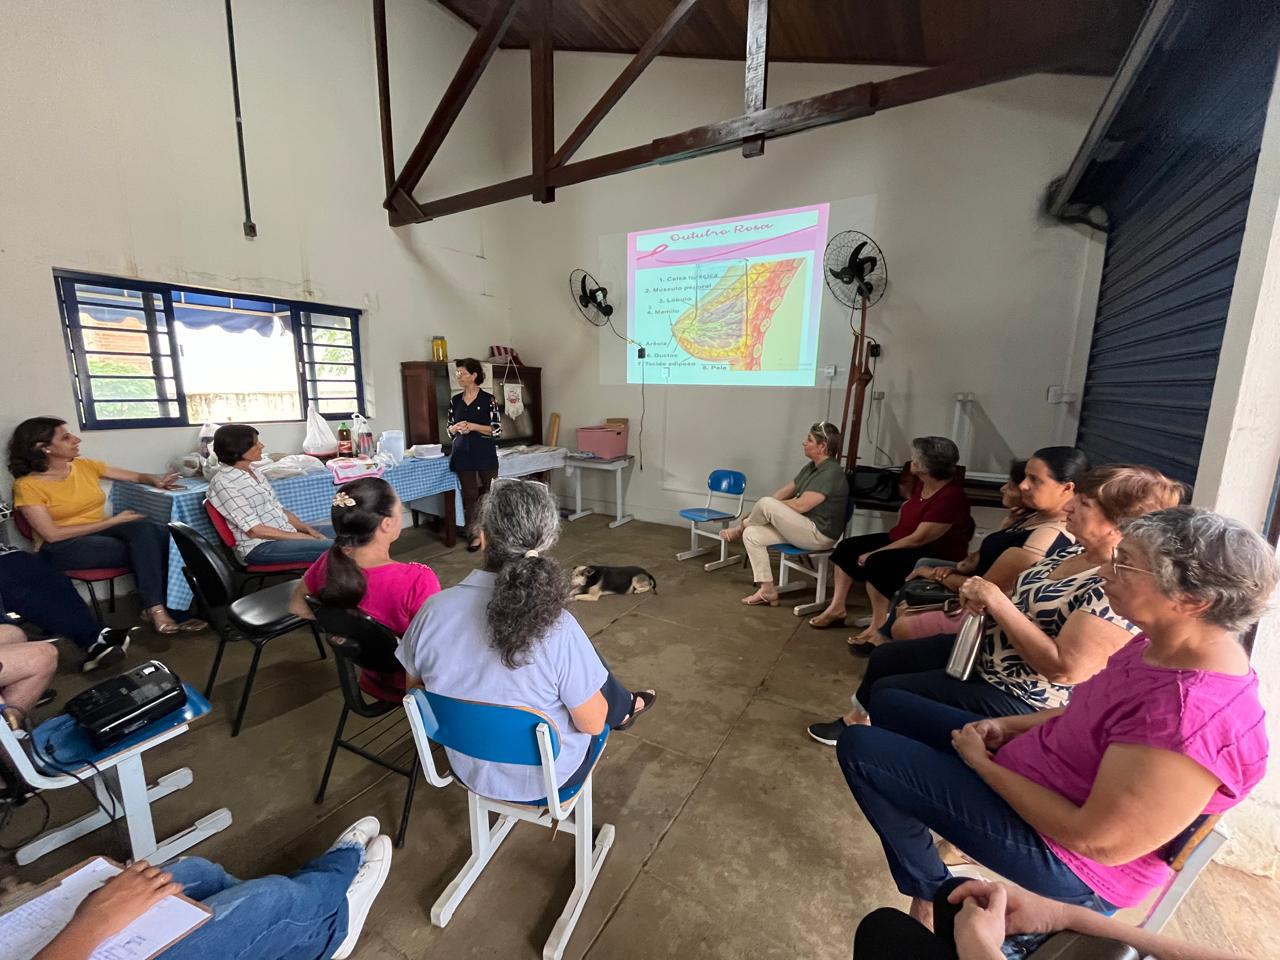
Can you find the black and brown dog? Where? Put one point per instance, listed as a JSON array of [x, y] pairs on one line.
[[591, 583]]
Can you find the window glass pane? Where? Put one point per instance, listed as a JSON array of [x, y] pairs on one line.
[[116, 341], [238, 365], [321, 335], [337, 406], [119, 366], [328, 320], [343, 388], [126, 411], [334, 371], [115, 318], [323, 355], [111, 295], [122, 389]]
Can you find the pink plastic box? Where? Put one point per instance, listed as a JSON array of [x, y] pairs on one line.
[[607, 443]]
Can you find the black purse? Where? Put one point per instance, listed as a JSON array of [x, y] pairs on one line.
[[928, 594]]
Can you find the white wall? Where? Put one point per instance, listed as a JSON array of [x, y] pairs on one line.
[[119, 156], [985, 293]]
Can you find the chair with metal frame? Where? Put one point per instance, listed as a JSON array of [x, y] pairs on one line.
[[720, 483], [86, 575], [258, 618], [360, 642], [504, 734], [817, 564], [249, 571], [62, 756]]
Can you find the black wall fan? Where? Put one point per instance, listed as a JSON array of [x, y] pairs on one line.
[[592, 299]]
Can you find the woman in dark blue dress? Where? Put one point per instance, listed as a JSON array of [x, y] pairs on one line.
[[474, 424]]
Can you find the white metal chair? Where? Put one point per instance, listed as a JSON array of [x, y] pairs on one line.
[[502, 734], [65, 758], [720, 483]]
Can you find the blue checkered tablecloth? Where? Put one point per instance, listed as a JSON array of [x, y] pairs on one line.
[[309, 497]]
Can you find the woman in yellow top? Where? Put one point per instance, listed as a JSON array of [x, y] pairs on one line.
[[59, 495]]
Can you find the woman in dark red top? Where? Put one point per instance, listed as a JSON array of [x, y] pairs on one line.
[[934, 522]]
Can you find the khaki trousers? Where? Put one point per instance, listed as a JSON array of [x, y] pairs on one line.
[[772, 521]]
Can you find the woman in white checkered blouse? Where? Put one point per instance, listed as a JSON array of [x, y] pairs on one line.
[[265, 532]]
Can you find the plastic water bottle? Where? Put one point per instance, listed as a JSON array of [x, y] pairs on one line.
[[364, 438]]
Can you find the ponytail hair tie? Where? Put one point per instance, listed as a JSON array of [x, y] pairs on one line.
[[531, 553]]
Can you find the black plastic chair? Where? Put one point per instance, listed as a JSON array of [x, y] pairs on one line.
[[361, 642], [258, 618]]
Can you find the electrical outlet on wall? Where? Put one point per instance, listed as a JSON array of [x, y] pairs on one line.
[[829, 371], [1059, 394]]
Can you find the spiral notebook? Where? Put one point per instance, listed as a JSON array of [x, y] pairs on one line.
[[28, 928]]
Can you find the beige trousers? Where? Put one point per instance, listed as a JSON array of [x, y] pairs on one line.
[[772, 521]]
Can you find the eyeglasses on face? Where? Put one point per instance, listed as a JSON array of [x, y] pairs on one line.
[[1121, 568]]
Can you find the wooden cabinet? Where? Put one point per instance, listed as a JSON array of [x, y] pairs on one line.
[[427, 394]]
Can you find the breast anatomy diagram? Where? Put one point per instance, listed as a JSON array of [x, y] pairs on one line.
[[728, 301]]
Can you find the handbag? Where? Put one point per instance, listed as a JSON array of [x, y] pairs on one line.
[[875, 483], [926, 594]]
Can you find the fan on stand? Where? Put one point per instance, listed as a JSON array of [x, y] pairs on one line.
[[856, 275]]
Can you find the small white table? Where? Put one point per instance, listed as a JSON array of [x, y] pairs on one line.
[[573, 467]]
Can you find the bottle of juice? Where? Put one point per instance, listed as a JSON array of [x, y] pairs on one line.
[[344, 440]]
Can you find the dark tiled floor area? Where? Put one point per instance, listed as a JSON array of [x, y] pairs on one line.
[[736, 836]]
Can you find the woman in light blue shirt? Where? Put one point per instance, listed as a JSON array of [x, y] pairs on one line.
[[503, 636]]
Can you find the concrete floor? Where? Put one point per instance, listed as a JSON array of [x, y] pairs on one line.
[[736, 834]]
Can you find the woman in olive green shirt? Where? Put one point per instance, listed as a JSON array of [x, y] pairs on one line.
[[810, 512]]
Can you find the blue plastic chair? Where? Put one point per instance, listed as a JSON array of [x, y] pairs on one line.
[[64, 757], [503, 734], [720, 483], [788, 557]]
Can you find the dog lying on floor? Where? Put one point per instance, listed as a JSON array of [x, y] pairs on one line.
[[591, 583]]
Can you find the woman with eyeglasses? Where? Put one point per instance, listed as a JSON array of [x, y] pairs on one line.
[[934, 522], [810, 512], [1082, 803], [1057, 628]]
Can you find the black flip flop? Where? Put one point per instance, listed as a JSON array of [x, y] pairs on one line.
[[863, 649], [650, 697]]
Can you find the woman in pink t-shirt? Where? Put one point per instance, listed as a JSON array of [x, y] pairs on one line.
[[1080, 803], [358, 572]]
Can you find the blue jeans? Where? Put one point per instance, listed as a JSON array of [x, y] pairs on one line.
[[292, 551], [908, 780], [301, 917], [140, 545], [919, 667], [35, 591]]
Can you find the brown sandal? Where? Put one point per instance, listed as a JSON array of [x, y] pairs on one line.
[[827, 624]]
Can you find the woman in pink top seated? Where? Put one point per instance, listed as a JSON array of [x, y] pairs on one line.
[[1079, 803], [357, 571]]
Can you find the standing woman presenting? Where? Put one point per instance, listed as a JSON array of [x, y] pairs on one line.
[[474, 424]]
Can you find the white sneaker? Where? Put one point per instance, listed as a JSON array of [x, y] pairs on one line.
[[363, 890], [359, 834]]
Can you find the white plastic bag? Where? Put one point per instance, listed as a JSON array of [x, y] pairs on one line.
[[320, 436], [294, 465]]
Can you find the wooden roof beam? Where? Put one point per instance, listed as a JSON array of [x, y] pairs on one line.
[[455, 97], [630, 73], [757, 68]]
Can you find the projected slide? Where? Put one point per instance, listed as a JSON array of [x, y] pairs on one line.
[[731, 301]]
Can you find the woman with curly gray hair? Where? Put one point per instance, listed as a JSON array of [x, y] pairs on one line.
[[503, 636], [1078, 803]]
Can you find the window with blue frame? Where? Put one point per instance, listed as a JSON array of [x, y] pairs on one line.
[[152, 354]]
